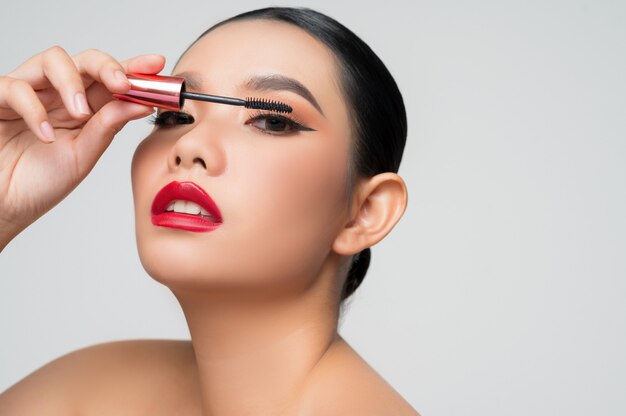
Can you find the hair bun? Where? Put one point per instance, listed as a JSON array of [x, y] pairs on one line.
[[356, 274]]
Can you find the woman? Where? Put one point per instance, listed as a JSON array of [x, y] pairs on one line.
[[299, 199]]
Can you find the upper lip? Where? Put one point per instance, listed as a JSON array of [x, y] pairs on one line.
[[185, 191]]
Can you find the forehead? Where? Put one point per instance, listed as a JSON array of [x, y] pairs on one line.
[[238, 50]]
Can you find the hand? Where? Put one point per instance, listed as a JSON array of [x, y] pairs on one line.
[[57, 117]]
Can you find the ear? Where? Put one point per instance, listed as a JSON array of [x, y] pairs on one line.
[[378, 204]]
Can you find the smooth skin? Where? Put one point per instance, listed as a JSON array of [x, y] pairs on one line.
[[261, 292]]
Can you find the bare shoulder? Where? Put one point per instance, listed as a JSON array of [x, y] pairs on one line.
[[344, 383], [100, 379]]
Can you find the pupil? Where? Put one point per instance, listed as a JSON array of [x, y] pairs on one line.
[[276, 124]]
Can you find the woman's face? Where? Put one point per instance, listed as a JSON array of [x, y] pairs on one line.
[[280, 191]]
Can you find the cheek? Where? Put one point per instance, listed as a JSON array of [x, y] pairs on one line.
[[148, 165], [148, 173], [302, 181], [294, 193]]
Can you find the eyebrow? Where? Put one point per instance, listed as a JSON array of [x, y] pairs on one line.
[[272, 82]]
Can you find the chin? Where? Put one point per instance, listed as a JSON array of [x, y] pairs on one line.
[[179, 261], [183, 264]]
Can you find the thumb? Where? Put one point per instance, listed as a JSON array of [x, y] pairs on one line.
[[98, 132]]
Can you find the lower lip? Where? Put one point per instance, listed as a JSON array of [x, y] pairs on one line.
[[184, 222]]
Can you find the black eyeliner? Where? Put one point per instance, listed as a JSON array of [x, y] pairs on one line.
[[294, 124], [160, 118]]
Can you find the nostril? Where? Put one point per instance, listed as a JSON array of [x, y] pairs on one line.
[[201, 161], [196, 160]]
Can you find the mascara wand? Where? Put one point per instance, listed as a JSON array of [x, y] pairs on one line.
[[169, 93], [255, 103]]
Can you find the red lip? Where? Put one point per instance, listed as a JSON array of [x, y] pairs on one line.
[[187, 191]]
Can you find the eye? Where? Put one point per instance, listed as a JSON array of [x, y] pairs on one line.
[[276, 124], [171, 118], [272, 124]]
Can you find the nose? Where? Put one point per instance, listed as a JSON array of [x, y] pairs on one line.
[[197, 149]]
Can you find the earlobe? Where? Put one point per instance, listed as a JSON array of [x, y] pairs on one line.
[[379, 203]]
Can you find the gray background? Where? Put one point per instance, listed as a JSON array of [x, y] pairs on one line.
[[501, 291]]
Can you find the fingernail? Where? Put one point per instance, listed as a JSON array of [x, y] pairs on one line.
[[80, 103], [122, 77], [47, 130]]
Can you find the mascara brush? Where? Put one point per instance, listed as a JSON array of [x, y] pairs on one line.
[[169, 93]]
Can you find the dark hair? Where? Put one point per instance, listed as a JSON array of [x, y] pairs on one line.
[[374, 101]]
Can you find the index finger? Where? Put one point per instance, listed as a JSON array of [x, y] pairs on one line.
[[93, 63], [99, 94], [105, 69], [144, 64]]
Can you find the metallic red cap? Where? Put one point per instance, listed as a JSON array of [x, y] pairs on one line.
[[154, 91]]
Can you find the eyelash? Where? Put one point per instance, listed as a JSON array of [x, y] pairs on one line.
[[161, 120]]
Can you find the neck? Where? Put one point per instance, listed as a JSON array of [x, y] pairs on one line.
[[253, 356]]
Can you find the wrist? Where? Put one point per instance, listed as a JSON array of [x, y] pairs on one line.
[[4, 242], [7, 233]]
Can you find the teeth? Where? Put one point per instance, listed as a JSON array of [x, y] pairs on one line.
[[187, 207], [179, 206]]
